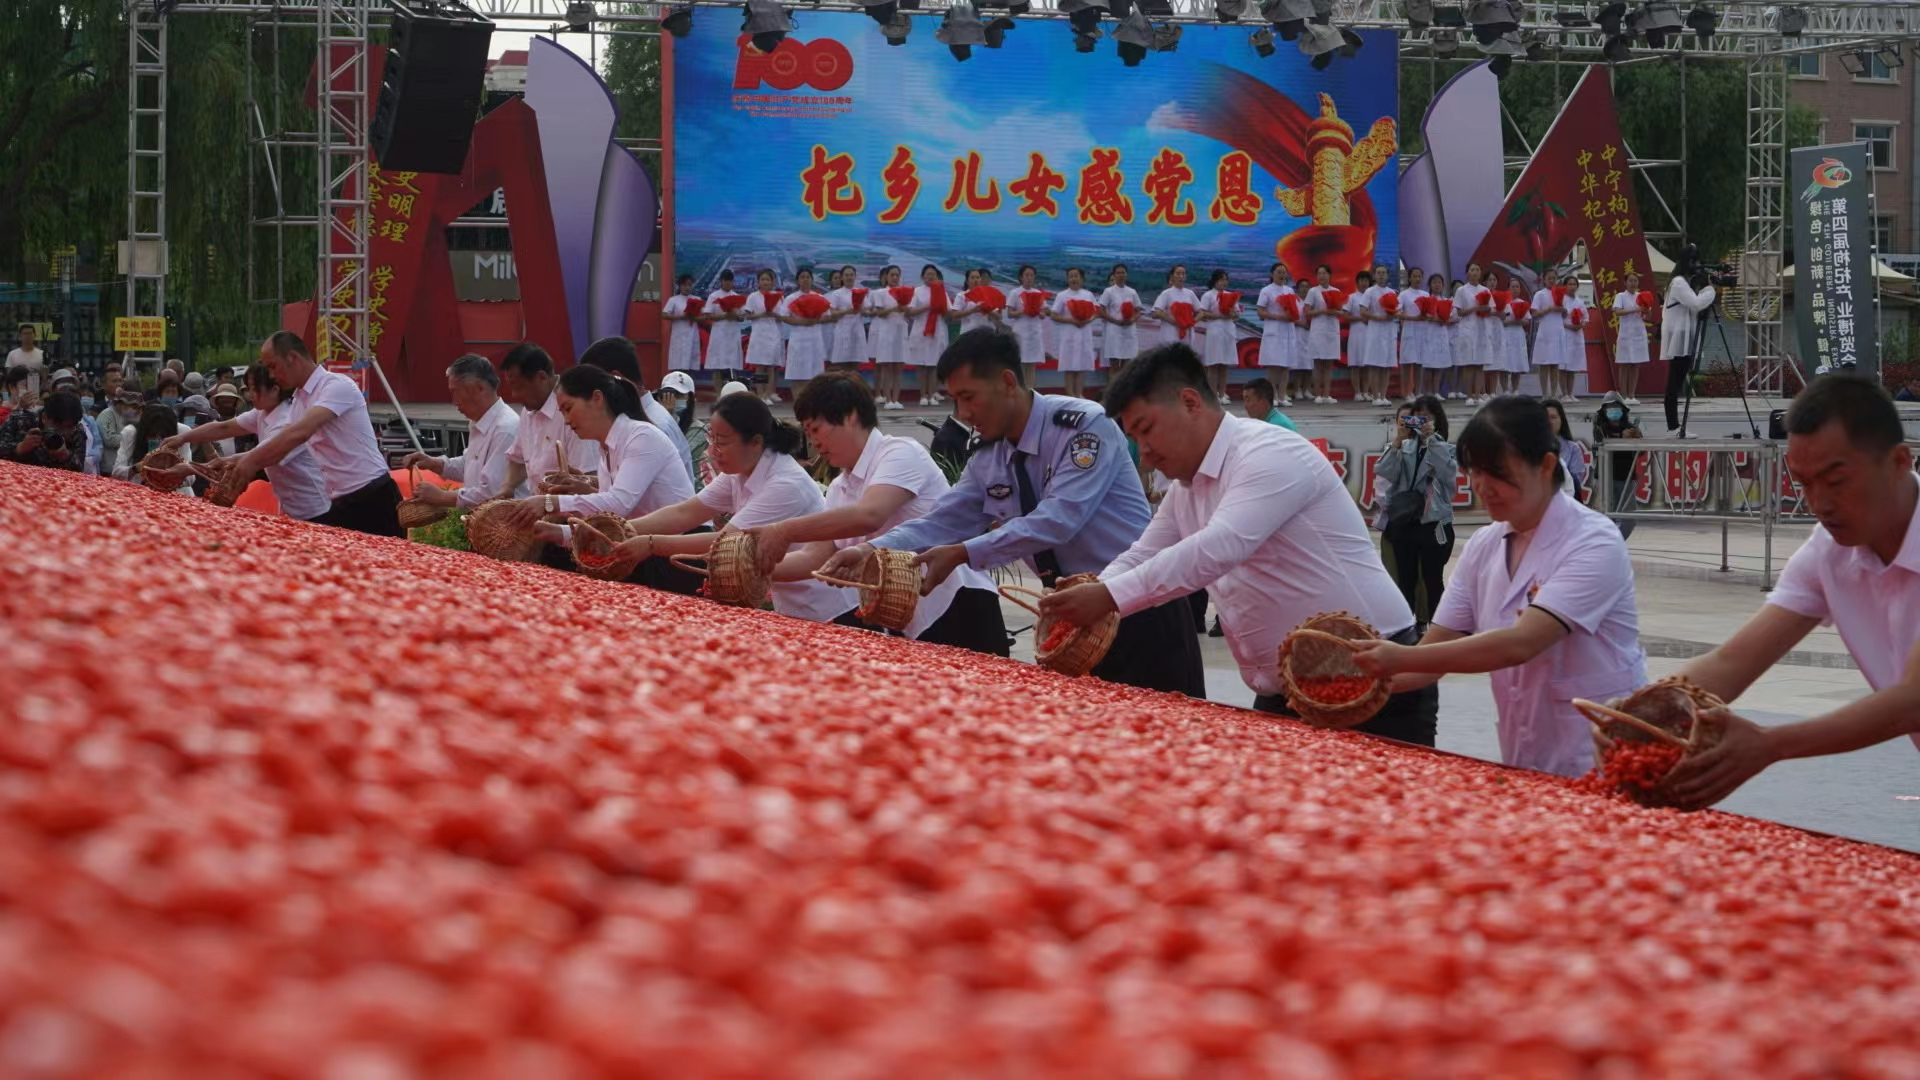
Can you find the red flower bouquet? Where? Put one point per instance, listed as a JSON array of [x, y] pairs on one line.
[[809, 306], [986, 298]]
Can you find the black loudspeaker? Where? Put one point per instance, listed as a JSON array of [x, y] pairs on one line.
[[431, 90], [1777, 425]]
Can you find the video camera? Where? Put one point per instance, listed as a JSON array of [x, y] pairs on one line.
[[1719, 275]]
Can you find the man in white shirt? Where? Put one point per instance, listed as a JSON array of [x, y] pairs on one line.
[[527, 381], [617, 355], [330, 416], [30, 357], [1257, 519], [1859, 572], [492, 426]]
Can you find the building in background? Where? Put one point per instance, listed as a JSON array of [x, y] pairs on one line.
[[1869, 97]]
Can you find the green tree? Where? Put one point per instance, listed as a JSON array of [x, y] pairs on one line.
[[632, 73]]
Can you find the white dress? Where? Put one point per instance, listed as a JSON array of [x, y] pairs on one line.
[[1119, 342], [849, 333], [1222, 345], [1302, 354], [1479, 335], [1550, 331], [923, 348], [1075, 343], [1163, 308], [1573, 358], [1383, 334], [683, 337], [1280, 344], [1513, 353], [1323, 328], [1631, 348], [1029, 331], [723, 341], [766, 346], [1420, 339], [806, 345], [1357, 331], [887, 337], [974, 317]]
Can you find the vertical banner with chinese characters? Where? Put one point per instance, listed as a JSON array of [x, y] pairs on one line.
[[836, 149], [1577, 192], [1833, 293], [399, 205]]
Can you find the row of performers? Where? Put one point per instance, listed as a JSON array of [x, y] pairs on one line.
[[1484, 327]]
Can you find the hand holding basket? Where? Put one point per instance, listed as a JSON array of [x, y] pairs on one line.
[[1639, 740], [732, 573], [415, 512], [889, 586], [1063, 647], [1322, 684]]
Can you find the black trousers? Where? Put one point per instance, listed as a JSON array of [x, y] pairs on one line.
[[1157, 649], [1622, 503], [1678, 369], [971, 621], [374, 510], [1412, 717], [1419, 557], [659, 572]]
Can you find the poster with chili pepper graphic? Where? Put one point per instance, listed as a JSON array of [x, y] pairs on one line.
[[1574, 206]]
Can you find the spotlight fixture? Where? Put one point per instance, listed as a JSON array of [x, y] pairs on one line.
[[1288, 17], [1889, 56], [1120, 9], [1228, 11], [679, 21], [1085, 15], [881, 11], [1445, 42], [1166, 37], [579, 16], [1450, 16], [1349, 44], [1419, 13], [768, 22], [1793, 22], [1492, 18], [1857, 63], [1572, 20], [1659, 20], [897, 28], [1085, 43], [1502, 50], [1616, 50], [1701, 21], [1536, 47], [1134, 36], [1610, 17], [1321, 42], [961, 30], [997, 31], [1157, 9], [1262, 42]]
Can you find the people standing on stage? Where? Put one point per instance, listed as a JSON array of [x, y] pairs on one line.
[[724, 356], [806, 336], [492, 427], [1119, 337], [1859, 572], [766, 343], [683, 328], [1177, 292], [1220, 348], [884, 481], [1323, 334], [330, 416], [973, 314], [1630, 341], [1479, 332], [760, 483], [1052, 486], [1515, 358], [1573, 361], [927, 330], [1423, 338], [1029, 329], [1457, 345], [1542, 598], [1376, 362], [849, 329], [887, 338], [1280, 345], [1256, 519], [1074, 345]]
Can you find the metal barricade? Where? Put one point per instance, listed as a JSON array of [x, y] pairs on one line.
[[1731, 481]]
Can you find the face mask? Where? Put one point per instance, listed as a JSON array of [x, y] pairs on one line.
[[1614, 414], [171, 399]]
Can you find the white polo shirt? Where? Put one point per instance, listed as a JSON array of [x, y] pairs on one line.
[[640, 473], [1272, 535], [903, 463], [297, 484], [533, 445], [1874, 607], [778, 489], [345, 446], [483, 468]]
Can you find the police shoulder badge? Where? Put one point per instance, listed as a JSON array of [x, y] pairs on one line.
[[999, 491], [1084, 450]]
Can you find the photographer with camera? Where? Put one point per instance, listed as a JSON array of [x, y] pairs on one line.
[[1417, 475], [1688, 294], [52, 437]]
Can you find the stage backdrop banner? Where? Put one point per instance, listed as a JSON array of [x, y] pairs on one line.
[[836, 148], [1833, 314]]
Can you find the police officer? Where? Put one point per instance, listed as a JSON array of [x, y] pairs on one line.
[[1054, 473]]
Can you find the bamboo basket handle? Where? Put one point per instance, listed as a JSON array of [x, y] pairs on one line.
[[843, 583], [581, 523], [681, 561], [1597, 714], [1008, 591], [1322, 635], [413, 481]]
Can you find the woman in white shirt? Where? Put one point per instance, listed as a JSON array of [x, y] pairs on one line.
[[1514, 359], [1219, 350], [1416, 339], [1075, 343], [849, 328], [640, 467], [1630, 342], [975, 314], [1479, 332], [1550, 307], [887, 337], [723, 334], [1279, 344], [683, 332], [1543, 598], [806, 335], [1680, 330], [1573, 361], [1323, 333], [297, 484], [1382, 353], [1427, 338], [157, 425], [884, 480], [766, 344], [1119, 337], [933, 305], [1177, 292], [1028, 330], [760, 483]]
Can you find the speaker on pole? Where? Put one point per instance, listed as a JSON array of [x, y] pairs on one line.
[[431, 90]]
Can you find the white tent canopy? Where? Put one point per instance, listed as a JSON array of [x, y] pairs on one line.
[[1883, 273]]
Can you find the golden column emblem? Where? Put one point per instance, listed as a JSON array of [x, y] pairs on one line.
[[1340, 166]]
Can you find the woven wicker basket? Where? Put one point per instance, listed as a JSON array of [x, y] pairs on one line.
[[1083, 650], [732, 577], [1322, 647], [158, 462], [889, 587], [490, 534], [594, 539], [1674, 711], [219, 474], [414, 513]]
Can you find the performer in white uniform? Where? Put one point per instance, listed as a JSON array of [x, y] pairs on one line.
[[1279, 343], [1479, 332], [1431, 335], [1630, 345], [1323, 332], [849, 328], [1177, 292], [975, 314], [1414, 337], [1075, 341], [1573, 361], [1220, 350], [806, 336], [1382, 353], [722, 316], [887, 337], [1513, 356], [1543, 598], [683, 332], [933, 304], [766, 345], [1120, 312]]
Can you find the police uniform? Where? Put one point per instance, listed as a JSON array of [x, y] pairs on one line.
[[1067, 501]]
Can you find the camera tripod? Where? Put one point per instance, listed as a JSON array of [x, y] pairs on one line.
[[1712, 315]]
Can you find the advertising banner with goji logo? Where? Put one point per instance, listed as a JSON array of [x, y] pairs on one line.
[[838, 149], [1574, 204], [1833, 292]]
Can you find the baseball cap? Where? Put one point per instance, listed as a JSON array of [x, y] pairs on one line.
[[226, 390], [677, 381], [734, 387]]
